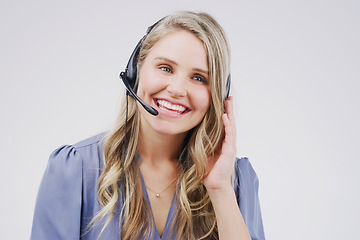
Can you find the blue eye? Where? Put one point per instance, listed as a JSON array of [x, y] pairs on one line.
[[200, 79], [165, 69]]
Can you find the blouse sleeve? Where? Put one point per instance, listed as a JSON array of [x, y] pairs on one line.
[[58, 206], [246, 189]]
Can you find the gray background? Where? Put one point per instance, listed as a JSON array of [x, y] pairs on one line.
[[295, 70]]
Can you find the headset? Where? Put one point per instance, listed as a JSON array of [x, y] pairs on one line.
[[129, 79], [130, 74]]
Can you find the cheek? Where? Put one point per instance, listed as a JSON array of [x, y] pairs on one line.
[[150, 88], [201, 100], [148, 84]]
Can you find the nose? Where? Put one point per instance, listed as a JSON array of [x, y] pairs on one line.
[[177, 87]]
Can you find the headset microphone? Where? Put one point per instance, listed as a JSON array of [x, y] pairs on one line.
[[129, 76], [130, 91]]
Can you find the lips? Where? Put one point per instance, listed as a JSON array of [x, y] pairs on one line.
[[171, 107]]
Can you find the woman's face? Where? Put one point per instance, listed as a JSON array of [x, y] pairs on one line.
[[174, 79]]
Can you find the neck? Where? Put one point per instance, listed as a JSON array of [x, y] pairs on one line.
[[158, 147]]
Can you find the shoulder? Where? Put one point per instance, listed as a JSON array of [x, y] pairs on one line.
[[89, 142], [244, 172], [68, 182], [246, 182], [246, 186], [90, 148], [85, 151], [73, 162]]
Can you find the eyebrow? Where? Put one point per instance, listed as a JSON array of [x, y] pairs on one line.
[[175, 63], [201, 70], [166, 59]]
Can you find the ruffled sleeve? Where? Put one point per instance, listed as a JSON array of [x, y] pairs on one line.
[[246, 189], [58, 206]]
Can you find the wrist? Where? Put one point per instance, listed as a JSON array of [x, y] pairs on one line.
[[223, 191]]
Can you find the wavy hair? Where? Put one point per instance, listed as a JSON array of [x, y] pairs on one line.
[[195, 217]]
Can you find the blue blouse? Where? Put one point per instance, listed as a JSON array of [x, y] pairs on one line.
[[67, 197]]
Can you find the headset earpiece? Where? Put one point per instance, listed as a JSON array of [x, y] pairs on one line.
[[131, 67], [228, 82]]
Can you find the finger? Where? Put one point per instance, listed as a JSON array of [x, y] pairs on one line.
[[230, 135], [229, 108], [228, 149]]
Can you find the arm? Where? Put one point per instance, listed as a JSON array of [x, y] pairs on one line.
[[230, 222], [246, 190], [58, 206]]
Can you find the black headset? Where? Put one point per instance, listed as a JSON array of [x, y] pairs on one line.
[[130, 74]]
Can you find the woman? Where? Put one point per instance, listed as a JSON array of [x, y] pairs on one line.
[[165, 176]]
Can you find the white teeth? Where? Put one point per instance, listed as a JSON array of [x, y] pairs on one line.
[[165, 105]]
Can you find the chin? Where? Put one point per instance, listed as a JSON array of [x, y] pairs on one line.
[[169, 130]]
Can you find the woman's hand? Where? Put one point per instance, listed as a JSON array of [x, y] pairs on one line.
[[221, 165], [230, 222]]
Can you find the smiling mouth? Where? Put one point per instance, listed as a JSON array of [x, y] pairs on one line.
[[170, 107]]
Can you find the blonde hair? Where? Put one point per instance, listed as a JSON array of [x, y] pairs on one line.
[[195, 217]]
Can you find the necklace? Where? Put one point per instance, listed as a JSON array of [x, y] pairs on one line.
[[157, 194]]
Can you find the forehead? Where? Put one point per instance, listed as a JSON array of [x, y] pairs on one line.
[[183, 47]]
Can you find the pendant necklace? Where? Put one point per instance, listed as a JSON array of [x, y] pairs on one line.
[[157, 194]]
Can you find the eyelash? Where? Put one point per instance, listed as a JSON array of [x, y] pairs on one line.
[[197, 78], [165, 69], [200, 79]]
